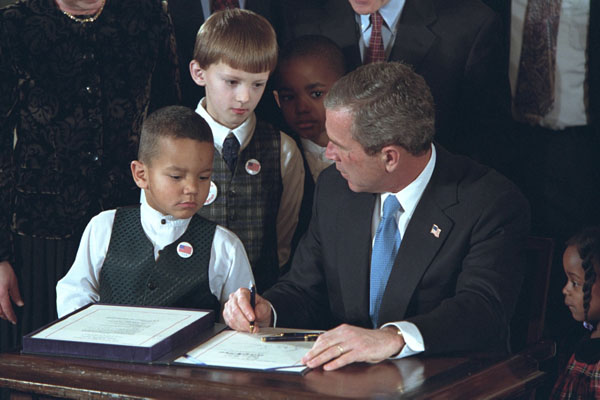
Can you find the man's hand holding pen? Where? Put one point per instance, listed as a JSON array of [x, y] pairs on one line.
[[333, 349], [238, 312]]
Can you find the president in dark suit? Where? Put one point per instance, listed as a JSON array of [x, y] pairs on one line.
[[456, 45], [453, 282]]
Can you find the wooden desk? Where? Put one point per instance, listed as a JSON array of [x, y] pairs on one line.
[[415, 378]]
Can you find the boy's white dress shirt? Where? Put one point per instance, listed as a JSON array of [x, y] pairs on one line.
[[228, 269], [315, 157]]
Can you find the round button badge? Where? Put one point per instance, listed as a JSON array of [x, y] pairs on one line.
[[185, 250], [212, 194], [253, 166]]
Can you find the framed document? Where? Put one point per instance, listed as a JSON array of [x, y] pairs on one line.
[[117, 332]]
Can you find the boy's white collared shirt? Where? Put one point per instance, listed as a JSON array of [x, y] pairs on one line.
[[315, 157], [228, 269], [243, 133]]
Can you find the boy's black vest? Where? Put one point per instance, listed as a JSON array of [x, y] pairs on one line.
[[248, 204], [130, 275]]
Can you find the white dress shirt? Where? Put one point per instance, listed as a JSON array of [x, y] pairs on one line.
[[569, 107], [292, 175], [409, 199], [206, 7], [391, 15], [315, 157], [228, 268]]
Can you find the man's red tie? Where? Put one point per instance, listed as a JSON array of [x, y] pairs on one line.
[[375, 52], [218, 5], [534, 95]]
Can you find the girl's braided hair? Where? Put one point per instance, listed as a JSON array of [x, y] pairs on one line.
[[587, 243]]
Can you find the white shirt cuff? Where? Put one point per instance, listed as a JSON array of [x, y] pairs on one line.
[[274, 315], [412, 338]]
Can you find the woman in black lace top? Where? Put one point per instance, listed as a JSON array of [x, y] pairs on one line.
[[77, 77]]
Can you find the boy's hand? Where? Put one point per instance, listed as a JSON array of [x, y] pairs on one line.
[[9, 290], [238, 313]]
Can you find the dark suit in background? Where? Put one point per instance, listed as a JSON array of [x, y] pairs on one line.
[[459, 289], [456, 45]]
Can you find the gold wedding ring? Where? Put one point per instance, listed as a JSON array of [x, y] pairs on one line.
[[341, 349]]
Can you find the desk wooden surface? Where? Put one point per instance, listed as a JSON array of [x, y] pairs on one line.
[[412, 378]]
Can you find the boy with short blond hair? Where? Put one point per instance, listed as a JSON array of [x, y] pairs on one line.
[[160, 253], [258, 173]]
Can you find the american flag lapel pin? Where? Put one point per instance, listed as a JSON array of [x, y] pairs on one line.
[[185, 250], [435, 231], [253, 166]]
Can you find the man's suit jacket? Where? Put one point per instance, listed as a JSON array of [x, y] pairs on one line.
[[187, 18], [459, 288], [456, 45]]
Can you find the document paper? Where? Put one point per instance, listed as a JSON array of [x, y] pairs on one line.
[[122, 325], [246, 350]]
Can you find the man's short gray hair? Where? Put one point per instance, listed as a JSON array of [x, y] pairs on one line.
[[390, 103]]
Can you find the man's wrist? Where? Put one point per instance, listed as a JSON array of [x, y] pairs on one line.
[[273, 320], [398, 338]]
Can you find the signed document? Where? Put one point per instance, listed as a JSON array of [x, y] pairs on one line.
[[244, 350], [119, 332]]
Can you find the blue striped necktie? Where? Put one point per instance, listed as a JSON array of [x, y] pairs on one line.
[[385, 249]]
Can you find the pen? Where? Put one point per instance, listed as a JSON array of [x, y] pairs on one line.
[[292, 337], [295, 334], [252, 304]]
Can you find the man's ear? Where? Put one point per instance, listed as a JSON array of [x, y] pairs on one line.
[[198, 73], [390, 157], [276, 95], [140, 174]]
